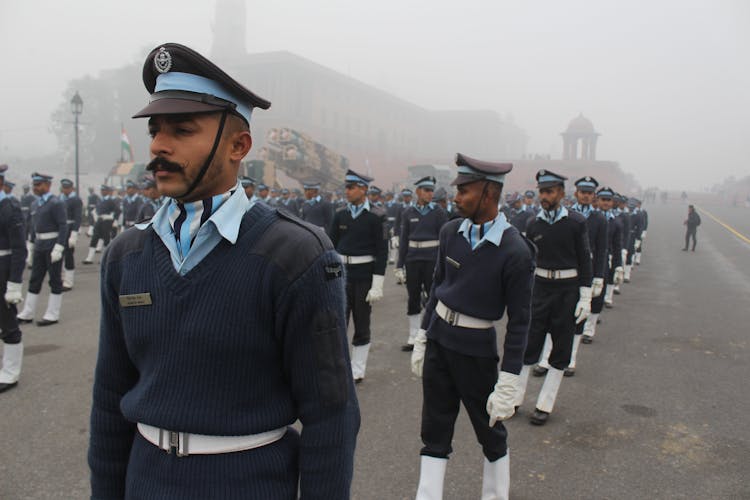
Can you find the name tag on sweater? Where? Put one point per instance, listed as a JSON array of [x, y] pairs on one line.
[[136, 299]]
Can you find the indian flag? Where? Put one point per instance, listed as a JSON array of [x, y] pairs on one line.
[[125, 144]]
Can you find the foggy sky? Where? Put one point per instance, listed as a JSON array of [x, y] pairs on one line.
[[666, 83]]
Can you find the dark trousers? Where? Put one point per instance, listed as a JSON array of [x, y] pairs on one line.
[[448, 379], [359, 308], [552, 308], [597, 303], [9, 331], [102, 231], [68, 258], [418, 278], [691, 233], [42, 265]]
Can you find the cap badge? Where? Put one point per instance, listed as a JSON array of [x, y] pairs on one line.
[[163, 60]]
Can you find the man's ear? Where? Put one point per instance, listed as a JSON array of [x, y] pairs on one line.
[[241, 143]]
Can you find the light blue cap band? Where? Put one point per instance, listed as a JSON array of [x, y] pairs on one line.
[[425, 184], [188, 82], [606, 193], [586, 184], [463, 169], [357, 179], [550, 178]]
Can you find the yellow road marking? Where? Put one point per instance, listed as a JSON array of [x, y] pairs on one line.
[[726, 226]]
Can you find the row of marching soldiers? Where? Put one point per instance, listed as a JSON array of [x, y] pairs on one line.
[[551, 269], [41, 232]]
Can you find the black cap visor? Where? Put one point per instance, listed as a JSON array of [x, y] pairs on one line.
[[549, 184], [468, 179]]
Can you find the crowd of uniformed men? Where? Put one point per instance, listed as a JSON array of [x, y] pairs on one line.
[[548, 261]]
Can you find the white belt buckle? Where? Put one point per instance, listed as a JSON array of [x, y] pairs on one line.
[[174, 440]]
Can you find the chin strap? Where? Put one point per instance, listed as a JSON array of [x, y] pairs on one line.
[[481, 199], [210, 157]]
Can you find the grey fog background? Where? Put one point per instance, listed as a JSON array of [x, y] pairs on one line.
[[666, 83]]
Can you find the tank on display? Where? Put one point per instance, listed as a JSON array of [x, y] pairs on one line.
[[301, 158]]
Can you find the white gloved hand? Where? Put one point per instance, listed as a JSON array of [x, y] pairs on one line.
[[13, 293], [643, 234], [114, 224], [597, 286], [394, 241], [619, 275], [583, 307], [624, 253], [376, 290], [637, 244], [417, 355], [400, 274], [73, 239], [29, 253], [501, 402], [57, 252], [90, 231]]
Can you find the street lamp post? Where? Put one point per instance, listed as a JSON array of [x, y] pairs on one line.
[[76, 106]]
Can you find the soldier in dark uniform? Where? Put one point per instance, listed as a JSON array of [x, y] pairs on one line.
[[374, 194], [48, 235], [644, 228], [27, 200], [691, 223], [613, 261], [406, 202], [596, 225], [8, 188], [562, 288], [151, 200], [12, 258], [248, 185], [484, 267], [315, 209], [392, 207], [194, 357], [359, 235], [263, 194], [623, 215], [441, 198], [73, 216], [107, 211], [131, 205], [418, 245], [91, 202]]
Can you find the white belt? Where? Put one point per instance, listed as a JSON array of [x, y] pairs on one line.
[[186, 444], [556, 274], [457, 319], [69, 221], [107, 217], [47, 236], [391, 219], [357, 259], [3, 253], [424, 244]]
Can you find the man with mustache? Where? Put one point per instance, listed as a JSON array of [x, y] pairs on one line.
[[202, 369], [484, 267]]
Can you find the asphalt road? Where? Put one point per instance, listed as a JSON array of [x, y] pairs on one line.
[[657, 409]]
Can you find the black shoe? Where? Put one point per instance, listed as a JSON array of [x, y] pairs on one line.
[[626, 280], [598, 320], [539, 371], [539, 417], [609, 306], [587, 340], [4, 387], [617, 292], [407, 347], [569, 372], [67, 288], [87, 262], [358, 380], [24, 321], [45, 322]]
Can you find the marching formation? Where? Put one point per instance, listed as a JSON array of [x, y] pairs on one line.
[[194, 359]]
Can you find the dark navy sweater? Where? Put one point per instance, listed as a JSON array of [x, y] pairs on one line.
[[483, 283], [365, 235], [73, 212], [563, 245], [48, 217], [251, 339], [12, 237], [418, 227], [596, 225]]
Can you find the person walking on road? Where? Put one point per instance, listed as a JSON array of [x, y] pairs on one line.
[[692, 222]]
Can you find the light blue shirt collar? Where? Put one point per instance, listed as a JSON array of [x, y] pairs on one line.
[[494, 233], [584, 210], [356, 210], [3, 195], [425, 209], [224, 223], [552, 217]]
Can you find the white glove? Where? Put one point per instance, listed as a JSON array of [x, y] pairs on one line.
[[624, 253], [90, 231], [57, 252], [376, 290], [597, 285], [583, 307], [29, 253], [500, 403], [417, 355], [619, 275], [73, 239], [96, 216], [114, 224], [400, 274], [13, 293], [643, 234], [637, 244], [394, 241]]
